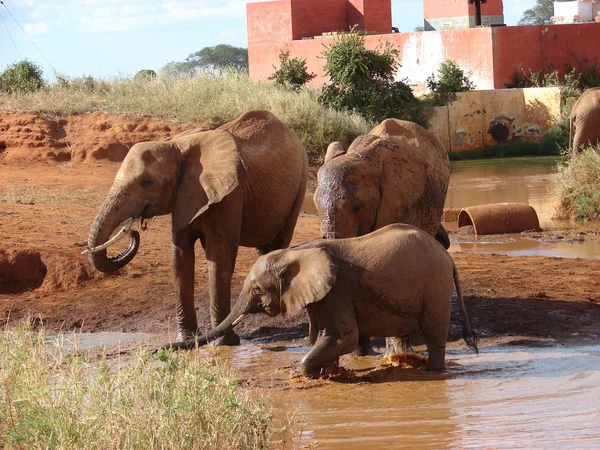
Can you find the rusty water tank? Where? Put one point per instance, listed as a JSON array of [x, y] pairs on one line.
[[498, 218]]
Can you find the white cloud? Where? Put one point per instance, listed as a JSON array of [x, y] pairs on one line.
[[35, 29]]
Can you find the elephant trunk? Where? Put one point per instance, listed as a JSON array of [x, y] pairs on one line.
[[237, 312], [112, 213]]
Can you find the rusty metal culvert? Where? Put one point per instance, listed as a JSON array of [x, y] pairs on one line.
[[498, 218]]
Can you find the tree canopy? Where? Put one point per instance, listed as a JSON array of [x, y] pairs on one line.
[[540, 14], [219, 57]]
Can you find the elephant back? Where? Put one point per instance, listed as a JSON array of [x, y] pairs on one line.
[[427, 212]]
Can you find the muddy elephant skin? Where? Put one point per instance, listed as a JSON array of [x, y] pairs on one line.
[[585, 121], [370, 285], [241, 184]]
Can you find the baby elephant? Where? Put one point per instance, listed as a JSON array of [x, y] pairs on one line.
[[391, 282]]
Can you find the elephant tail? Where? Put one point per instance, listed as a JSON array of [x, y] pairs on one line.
[[468, 334]]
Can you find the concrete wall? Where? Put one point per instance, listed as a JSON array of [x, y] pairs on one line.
[[466, 122]]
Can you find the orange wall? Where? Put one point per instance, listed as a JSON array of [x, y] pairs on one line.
[[371, 15], [438, 9], [269, 21], [314, 17], [542, 46]]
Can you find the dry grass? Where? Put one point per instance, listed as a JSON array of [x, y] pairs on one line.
[[203, 98], [578, 189], [52, 396]]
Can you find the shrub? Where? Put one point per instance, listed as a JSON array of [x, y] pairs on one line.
[[451, 78], [145, 75], [362, 80], [578, 188], [292, 73], [24, 76]]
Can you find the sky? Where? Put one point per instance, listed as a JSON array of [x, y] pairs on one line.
[[107, 38]]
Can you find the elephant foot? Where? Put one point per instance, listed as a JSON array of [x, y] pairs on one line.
[[230, 339]]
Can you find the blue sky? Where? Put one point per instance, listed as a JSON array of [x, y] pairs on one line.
[[105, 38]]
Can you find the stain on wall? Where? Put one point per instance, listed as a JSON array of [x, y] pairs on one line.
[[477, 119]]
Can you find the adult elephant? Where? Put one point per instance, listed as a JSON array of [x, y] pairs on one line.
[[584, 121], [241, 184], [398, 173]]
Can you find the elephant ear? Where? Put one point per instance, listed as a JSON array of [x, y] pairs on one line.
[[334, 150], [402, 180], [211, 168], [306, 276]]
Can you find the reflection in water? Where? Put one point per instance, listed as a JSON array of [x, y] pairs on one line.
[[505, 397]]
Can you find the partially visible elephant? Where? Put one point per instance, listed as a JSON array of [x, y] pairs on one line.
[[390, 282], [241, 184], [584, 121], [398, 173]]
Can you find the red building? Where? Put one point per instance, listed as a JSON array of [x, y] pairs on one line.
[[491, 55]]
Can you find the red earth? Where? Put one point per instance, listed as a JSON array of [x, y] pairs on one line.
[[54, 175]]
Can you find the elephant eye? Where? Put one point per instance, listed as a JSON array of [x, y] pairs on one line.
[[257, 290], [356, 208], [146, 183]]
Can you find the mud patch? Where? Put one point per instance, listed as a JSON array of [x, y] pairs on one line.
[[27, 270]]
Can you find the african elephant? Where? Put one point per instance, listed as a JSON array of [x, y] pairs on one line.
[[241, 184], [397, 173], [584, 121], [390, 282]]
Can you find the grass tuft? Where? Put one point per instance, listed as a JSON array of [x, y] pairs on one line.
[[202, 98], [578, 188], [53, 397]]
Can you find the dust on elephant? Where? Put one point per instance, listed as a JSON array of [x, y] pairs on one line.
[[370, 285], [241, 184], [584, 121], [398, 173]]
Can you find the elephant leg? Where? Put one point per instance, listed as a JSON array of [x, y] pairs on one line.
[[398, 345], [364, 347], [221, 247], [183, 261], [435, 333], [325, 353], [284, 237], [334, 338], [313, 327]]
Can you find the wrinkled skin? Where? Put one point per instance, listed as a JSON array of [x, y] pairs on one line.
[[370, 285], [399, 173], [217, 185], [585, 121]]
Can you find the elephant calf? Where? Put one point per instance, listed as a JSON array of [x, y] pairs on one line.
[[390, 283]]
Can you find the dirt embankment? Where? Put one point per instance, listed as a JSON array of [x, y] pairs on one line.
[[48, 200], [28, 137]]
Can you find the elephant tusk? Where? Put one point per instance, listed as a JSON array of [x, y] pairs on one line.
[[114, 239], [143, 224], [238, 320]]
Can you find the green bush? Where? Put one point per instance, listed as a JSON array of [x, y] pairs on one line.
[[145, 75], [292, 73], [578, 188], [24, 76], [362, 81], [450, 78]]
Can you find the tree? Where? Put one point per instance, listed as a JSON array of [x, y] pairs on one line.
[[292, 73], [24, 76], [220, 57], [540, 14], [145, 75], [177, 69], [419, 28], [363, 81], [451, 78]]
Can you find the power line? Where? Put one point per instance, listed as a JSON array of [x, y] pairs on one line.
[[36, 47], [10, 35]]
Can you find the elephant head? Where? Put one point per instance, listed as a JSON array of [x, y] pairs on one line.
[[281, 282], [182, 177], [371, 185]]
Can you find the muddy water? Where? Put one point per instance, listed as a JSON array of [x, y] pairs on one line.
[[522, 180], [505, 397]]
